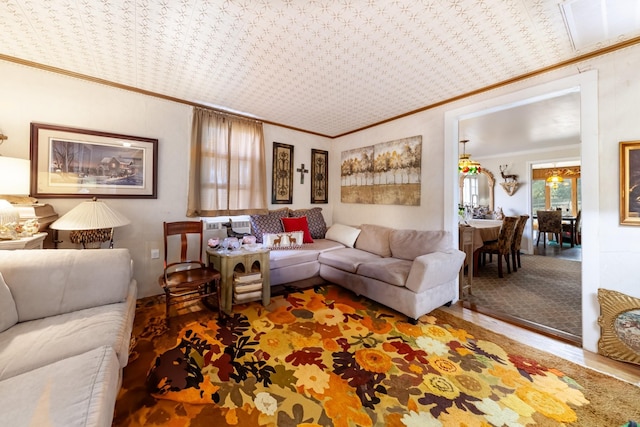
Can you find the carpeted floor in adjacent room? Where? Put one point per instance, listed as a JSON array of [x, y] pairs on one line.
[[545, 290], [325, 357]]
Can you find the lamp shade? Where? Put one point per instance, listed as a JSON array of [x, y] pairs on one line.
[[14, 176], [466, 166], [90, 215]]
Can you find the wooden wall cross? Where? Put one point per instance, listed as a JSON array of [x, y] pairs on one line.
[[302, 171]]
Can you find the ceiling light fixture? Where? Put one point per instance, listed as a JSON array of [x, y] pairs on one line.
[[466, 166], [554, 179]]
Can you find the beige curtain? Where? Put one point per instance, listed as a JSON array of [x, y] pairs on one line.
[[228, 172]]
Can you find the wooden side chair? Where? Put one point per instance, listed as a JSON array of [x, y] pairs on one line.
[[517, 242], [186, 277], [549, 222], [502, 246]]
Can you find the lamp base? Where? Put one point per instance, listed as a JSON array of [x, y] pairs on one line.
[[91, 239]]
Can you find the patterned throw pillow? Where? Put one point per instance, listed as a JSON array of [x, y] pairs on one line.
[[298, 224], [284, 240], [269, 223], [317, 225]]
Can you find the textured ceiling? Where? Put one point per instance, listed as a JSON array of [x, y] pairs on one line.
[[328, 67], [544, 125]]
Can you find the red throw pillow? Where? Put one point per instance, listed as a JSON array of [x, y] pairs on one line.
[[298, 224]]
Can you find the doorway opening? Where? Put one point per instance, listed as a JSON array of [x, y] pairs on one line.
[[587, 153]]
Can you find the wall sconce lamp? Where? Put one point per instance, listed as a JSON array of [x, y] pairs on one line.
[[91, 223]]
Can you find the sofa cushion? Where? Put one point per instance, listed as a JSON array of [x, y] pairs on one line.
[[343, 234], [306, 253], [317, 224], [268, 223], [286, 258], [298, 224], [43, 341], [374, 239], [77, 391], [8, 312], [389, 270], [409, 244], [347, 259], [50, 282]]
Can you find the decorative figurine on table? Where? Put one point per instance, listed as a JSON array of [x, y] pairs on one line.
[[231, 232]]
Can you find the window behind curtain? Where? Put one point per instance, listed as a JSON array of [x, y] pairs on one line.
[[228, 168]]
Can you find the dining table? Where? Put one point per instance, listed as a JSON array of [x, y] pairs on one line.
[[473, 234], [488, 229]]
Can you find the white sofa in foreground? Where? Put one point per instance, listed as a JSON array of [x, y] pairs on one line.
[[65, 325], [411, 271]]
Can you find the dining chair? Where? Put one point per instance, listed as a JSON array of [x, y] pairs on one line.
[[185, 276], [517, 241], [549, 222], [573, 232], [502, 246]]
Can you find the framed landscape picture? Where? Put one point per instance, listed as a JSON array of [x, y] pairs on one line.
[[630, 183], [68, 162]]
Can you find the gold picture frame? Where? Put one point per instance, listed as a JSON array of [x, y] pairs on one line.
[[630, 182], [619, 333]]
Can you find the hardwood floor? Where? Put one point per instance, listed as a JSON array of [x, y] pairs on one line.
[[624, 371], [567, 252]]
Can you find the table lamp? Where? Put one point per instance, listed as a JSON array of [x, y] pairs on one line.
[[91, 223], [14, 180], [15, 176]]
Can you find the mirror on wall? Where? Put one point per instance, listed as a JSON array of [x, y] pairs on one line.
[[477, 190]]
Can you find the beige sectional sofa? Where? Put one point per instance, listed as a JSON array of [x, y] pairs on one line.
[[65, 325], [411, 271]]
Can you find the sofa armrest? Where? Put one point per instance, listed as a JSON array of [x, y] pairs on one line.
[[434, 269]]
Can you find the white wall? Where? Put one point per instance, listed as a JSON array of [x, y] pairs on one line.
[[427, 216], [303, 143], [32, 95]]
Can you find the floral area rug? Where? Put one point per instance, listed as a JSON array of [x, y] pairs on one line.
[[325, 357]]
